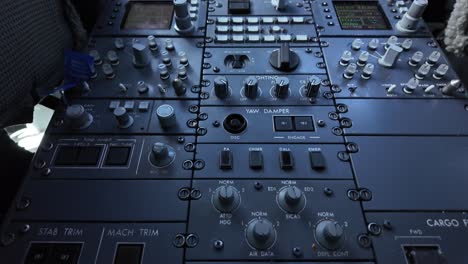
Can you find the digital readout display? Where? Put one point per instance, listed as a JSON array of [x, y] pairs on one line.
[[361, 15]]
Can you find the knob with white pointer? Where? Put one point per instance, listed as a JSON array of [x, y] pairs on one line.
[[162, 155], [260, 234], [226, 199], [251, 87], [281, 87], [124, 120], [329, 234], [291, 199], [284, 59], [312, 86], [77, 117], [452, 87], [221, 87]]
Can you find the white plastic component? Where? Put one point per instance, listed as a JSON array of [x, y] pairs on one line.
[[423, 71], [416, 58], [409, 22], [363, 58], [407, 44], [441, 71], [391, 55], [434, 57], [373, 44], [357, 44], [367, 71], [346, 57], [350, 71], [411, 86]]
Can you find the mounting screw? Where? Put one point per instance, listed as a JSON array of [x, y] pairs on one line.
[[218, 244], [258, 186], [297, 251]]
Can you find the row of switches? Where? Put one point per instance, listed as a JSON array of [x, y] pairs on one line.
[[286, 158]]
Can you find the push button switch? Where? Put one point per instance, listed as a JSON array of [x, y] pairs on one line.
[[65, 253], [304, 123], [128, 254], [66, 155], [88, 156], [118, 156], [225, 160], [283, 123], [256, 159], [317, 160], [286, 160]]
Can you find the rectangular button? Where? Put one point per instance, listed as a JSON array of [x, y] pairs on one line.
[[253, 29], [285, 38], [283, 20], [283, 123], [118, 156], [66, 155], [269, 38], [286, 160], [128, 254], [129, 105], [113, 105], [302, 38], [238, 38], [304, 123], [222, 20], [252, 20], [298, 20], [253, 38], [225, 160], [88, 156], [238, 29], [268, 20], [237, 20], [222, 38], [256, 159], [317, 160], [222, 29], [65, 253], [143, 106]]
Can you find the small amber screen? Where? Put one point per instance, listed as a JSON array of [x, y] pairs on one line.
[[361, 15], [149, 15]]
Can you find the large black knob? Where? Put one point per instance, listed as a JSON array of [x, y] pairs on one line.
[[284, 59], [291, 199], [261, 234], [251, 87], [162, 155], [77, 117], [226, 199], [282, 87], [312, 86], [221, 87], [329, 234]]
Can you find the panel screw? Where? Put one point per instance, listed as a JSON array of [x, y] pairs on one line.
[[216, 123], [191, 240], [297, 251], [195, 194], [353, 195], [25, 228], [180, 140], [327, 191], [387, 225], [218, 244], [365, 194], [364, 241], [184, 193], [23, 204], [179, 241], [8, 239], [321, 123], [258, 186], [374, 229]]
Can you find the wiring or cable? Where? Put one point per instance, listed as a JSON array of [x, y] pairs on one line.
[[456, 33]]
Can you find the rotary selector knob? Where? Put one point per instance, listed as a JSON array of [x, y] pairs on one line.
[[141, 55], [312, 86], [182, 17], [124, 120], [329, 234], [221, 87], [162, 155], [291, 199], [226, 199], [284, 59], [166, 116], [78, 117], [282, 87], [261, 234], [251, 87]]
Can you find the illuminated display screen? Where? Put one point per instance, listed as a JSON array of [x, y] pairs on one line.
[[149, 15], [362, 15]]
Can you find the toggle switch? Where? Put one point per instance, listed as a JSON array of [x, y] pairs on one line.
[[390, 56]]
